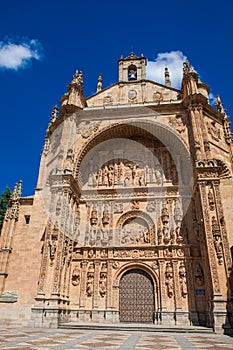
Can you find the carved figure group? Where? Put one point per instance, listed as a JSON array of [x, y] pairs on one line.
[[126, 174]]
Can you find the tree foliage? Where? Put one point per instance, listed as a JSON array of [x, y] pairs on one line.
[[4, 200]]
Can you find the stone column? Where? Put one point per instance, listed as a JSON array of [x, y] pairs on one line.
[[109, 285], [83, 282], [96, 285]]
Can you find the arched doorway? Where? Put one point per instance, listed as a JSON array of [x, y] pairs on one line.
[[136, 297]]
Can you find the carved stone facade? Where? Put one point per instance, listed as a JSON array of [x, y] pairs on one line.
[[131, 220]]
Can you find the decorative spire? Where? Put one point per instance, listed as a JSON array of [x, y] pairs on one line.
[[167, 77], [99, 84], [187, 68], [219, 105], [54, 114], [226, 122]]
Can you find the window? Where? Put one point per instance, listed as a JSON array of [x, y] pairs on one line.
[[132, 73], [27, 219]]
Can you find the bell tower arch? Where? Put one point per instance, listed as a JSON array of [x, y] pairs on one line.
[[132, 68]]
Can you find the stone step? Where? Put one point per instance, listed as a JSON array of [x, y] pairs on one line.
[[136, 327]]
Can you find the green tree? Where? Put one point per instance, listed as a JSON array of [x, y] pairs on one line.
[[4, 200]]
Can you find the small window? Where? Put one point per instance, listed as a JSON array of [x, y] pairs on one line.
[[132, 73], [27, 219]]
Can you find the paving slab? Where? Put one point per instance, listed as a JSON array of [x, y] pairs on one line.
[[85, 339]]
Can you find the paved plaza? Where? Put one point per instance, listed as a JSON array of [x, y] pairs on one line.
[[60, 339]]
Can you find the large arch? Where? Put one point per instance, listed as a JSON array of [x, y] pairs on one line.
[[138, 130]]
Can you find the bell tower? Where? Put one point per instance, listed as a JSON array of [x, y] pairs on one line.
[[132, 68]]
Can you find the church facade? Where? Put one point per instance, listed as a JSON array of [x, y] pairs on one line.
[[131, 219]]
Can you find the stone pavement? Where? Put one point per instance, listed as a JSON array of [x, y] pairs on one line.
[[67, 339]]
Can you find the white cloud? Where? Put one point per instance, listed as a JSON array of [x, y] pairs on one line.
[[212, 99], [173, 61], [19, 55]]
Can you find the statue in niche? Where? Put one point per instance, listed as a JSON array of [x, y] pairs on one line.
[[94, 217], [177, 213], [169, 280], [103, 284], [166, 234], [183, 281], [105, 176], [53, 248], [211, 200], [89, 287], [218, 248], [76, 276], [215, 227], [199, 275], [138, 175], [69, 160], [173, 236], [99, 178], [111, 175]]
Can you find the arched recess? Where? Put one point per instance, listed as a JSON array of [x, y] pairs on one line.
[[137, 291], [145, 130], [135, 215]]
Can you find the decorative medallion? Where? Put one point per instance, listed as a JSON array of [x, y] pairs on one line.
[[132, 94]]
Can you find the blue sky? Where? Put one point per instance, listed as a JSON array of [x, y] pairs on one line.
[[42, 43]]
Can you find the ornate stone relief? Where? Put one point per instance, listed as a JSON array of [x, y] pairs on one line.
[[178, 123], [199, 275], [183, 280], [103, 280], [90, 280], [76, 276], [126, 174], [46, 147], [211, 199], [214, 131], [157, 96], [117, 208], [134, 253], [217, 240], [169, 280], [87, 129], [69, 162], [135, 231], [53, 244], [107, 99]]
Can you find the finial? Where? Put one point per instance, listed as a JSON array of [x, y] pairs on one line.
[[19, 189], [167, 77], [77, 78], [219, 105], [54, 114], [17, 192], [187, 68], [99, 84]]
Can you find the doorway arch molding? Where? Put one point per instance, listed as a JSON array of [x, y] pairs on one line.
[[136, 265]]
